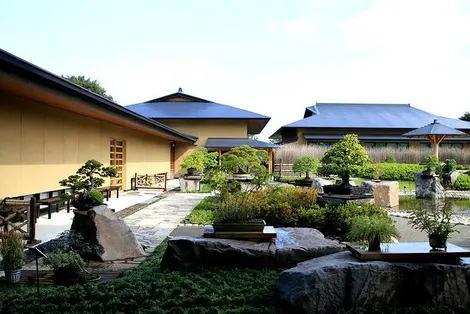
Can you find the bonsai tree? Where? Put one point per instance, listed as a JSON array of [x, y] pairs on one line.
[[83, 184], [348, 155], [307, 165], [450, 165], [435, 222], [11, 248], [373, 229], [244, 160], [194, 161], [67, 266], [433, 166]]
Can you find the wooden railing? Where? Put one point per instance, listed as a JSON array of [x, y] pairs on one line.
[[149, 181], [20, 216]]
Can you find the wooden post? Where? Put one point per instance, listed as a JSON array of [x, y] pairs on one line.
[[220, 156], [32, 221], [270, 165]]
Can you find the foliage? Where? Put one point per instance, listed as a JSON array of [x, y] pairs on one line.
[[462, 167], [432, 164], [348, 154], [462, 183], [465, 116], [391, 158], [328, 170], [390, 171], [307, 165], [244, 159], [87, 83], [85, 181], [377, 229], [73, 241], [287, 179], [434, 221], [70, 261], [237, 207], [450, 165], [194, 160], [11, 248], [210, 160]]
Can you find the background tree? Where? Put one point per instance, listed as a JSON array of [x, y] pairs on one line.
[[348, 155], [307, 165], [87, 83], [466, 116]]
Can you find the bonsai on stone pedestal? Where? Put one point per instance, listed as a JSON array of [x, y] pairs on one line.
[[308, 165], [347, 155], [83, 184]]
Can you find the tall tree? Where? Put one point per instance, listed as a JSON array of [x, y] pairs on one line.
[[87, 83], [466, 116]]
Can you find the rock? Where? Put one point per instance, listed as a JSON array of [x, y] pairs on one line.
[[317, 185], [385, 192], [102, 228], [454, 175], [428, 186], [190, 183], [341, 282], [292, 245], [323, 182]]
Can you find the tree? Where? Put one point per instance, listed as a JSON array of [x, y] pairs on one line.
[[87, 83], [466, 116], [307, 165], [348, 155]]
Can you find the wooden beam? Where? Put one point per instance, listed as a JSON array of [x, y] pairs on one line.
[[270, 164], [220, 156]]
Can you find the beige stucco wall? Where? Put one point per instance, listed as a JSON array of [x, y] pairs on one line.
[[40, 145], [203, 129]]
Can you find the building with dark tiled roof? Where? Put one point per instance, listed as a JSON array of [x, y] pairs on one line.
[[377, 125]]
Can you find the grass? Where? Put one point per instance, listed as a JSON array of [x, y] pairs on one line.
[[287, 154], [210, 290]]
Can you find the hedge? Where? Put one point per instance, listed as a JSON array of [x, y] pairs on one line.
[[462, 183]]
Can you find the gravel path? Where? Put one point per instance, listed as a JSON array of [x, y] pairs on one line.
[[410, 234]]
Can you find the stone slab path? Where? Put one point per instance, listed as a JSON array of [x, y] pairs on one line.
[[155, 222]]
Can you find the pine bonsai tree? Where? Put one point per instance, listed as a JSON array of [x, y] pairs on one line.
[[348, 155]]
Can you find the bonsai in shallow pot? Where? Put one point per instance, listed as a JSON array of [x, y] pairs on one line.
[[308, 165], [83, 184], [68, 267], [11, 248], [436, 223], [194, 162], [373, 229], [243, 162], [347, 155]]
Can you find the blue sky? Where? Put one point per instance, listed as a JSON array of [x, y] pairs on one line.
[[273, 57]]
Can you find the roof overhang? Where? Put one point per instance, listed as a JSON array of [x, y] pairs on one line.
[[23, 79], [215, 142], [369, 138]]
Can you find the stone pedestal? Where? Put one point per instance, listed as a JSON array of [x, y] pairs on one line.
[[385, 192], [341, 282], [190, 183], [108, 233], [291, 246], [428, 186]]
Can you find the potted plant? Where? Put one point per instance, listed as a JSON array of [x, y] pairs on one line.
[[436, 223], [83, 184], [194, 162], [68, 267], [242, 161], [11, 248], [307, 165], [373, 229], [347, 155]]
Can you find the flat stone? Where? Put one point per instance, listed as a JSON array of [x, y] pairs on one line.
[[340, 281], [109, 232], [385, 192], [190, 184], [291, 246]]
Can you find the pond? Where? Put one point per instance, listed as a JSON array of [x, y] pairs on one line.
[[460, 205]]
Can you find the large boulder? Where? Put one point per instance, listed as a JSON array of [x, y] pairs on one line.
[[292, 245], [385, 192], [340, 281], [108, 234], [428, 186]]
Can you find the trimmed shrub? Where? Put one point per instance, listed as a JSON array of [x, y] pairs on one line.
[[450, 166], [390, 171], [391, 158], [327, 170], [306, 164], [462, 183]]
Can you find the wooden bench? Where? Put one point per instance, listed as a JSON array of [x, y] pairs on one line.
[[107, 190], [56, 200]]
